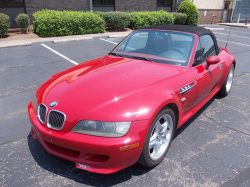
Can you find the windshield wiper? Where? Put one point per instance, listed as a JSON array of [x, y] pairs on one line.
[[142, 58], [116, 54], [136, 57]]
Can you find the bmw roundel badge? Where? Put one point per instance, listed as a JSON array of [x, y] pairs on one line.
[[52, 104]]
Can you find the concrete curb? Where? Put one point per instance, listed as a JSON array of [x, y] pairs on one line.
[[72, 39], [117, 36], [210, 28], [235, 25], [15, 44]]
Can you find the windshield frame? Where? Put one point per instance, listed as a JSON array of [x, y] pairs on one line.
[[149, 57]]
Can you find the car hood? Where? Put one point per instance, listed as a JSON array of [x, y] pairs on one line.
[[82, 89]]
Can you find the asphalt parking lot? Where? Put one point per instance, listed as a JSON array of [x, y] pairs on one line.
[[211, 149]]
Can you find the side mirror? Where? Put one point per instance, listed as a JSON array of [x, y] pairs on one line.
[[212, 60]]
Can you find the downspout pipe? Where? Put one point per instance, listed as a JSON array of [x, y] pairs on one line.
[[90, 6], [233, 9]]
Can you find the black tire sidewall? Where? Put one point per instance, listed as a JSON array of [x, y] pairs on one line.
[[148, 161], [223, 91]]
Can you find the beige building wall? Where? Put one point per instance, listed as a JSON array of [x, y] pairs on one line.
[[210, 11], [209, 4]]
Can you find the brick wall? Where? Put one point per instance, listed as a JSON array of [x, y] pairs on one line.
[[35, 5], [136, 5], [208, 18]]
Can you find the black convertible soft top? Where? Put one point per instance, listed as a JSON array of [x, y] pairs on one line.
[[200, 31]]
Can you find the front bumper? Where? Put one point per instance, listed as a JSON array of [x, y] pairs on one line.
[[92, 153]]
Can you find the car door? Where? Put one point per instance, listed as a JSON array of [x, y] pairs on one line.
[[186, 90], [207, 76]]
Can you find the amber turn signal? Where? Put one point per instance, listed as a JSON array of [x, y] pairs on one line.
[[128, 147]]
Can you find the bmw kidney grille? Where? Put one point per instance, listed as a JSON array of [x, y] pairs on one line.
[[56, 119], [42, 111]]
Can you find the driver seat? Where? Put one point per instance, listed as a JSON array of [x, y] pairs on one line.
[[161, 44]]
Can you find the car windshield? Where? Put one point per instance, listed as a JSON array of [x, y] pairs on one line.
[[166, 47]]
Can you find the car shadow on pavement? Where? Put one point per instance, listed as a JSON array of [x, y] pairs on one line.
[[190, 121], [67, 169]]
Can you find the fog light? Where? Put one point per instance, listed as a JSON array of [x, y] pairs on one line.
[[128, 147]]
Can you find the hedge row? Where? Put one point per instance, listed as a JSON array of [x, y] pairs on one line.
[[4, 24], [23, 21], [143, 19], [61, 23], [191, 10], [134, 20], [115, 20], [179, 18]]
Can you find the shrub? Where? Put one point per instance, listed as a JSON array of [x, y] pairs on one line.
[[191, 10], [143, 19], [99, 13], [62, 23], [116, 20], [4, 24], [23, 21], [179, 18]]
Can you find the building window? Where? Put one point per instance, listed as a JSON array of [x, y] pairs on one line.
[[162, 3], [103, 2], [11, 3]]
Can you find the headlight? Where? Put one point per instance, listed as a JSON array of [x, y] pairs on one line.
[[34, 102], [98, 128]]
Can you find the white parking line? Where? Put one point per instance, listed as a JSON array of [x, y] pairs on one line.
[[232, 35], [108, 41], [114, 43], [233, 42], [54, 51], [237, 31], [212, 28]]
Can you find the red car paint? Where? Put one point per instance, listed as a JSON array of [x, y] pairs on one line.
[[120, 89]]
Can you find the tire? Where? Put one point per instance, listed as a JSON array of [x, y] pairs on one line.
[[159, 138], [226, 87]]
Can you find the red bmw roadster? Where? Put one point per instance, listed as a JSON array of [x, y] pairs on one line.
[[109, 113]]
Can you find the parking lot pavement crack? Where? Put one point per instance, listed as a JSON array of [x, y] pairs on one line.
[[13, 114], [186, 172], [241, 52], [232, 129], [221, 161], [16, 140], [31, 88], [238, 180], [28, 65], [243, 73], [211, 155]]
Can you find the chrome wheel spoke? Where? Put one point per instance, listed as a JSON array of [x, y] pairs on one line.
[[165, 127], [157, 147], [152, 143], [158, 127]]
